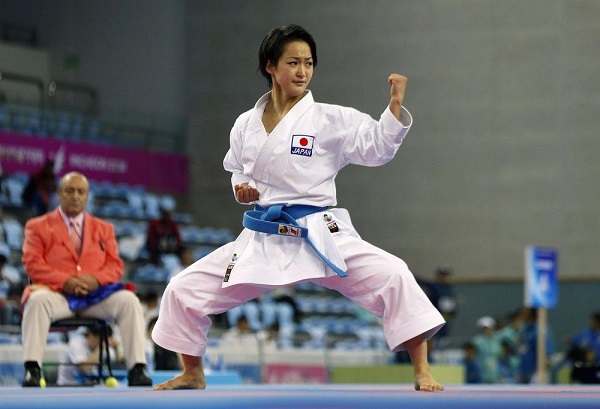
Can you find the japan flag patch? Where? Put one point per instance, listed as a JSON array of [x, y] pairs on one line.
[[302, 145]]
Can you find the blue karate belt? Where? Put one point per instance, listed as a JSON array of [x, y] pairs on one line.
[[282, 221], [77, 302]]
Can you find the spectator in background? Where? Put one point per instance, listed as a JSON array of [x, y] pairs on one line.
[[584, 353], [441, 294], [10, 289], [44, 197], [150, 305], [510, 331], [73, 262], [585, 346], [163, 235], [80, 362], [471, 364], [186, 258], [528, 346], [39, 194], [269, 338], [240, 337], [508, 363], [160, 359], [287, 295], [488, 349]]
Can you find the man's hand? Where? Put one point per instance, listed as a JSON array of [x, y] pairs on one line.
[[80, 285], [397, 88], [90, 281], [75, 286], [245, 193]]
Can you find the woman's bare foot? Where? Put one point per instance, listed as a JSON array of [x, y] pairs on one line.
[[425, 382], [191, 378], [183, 381]]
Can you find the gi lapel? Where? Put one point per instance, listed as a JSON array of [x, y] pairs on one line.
[[281, 135]]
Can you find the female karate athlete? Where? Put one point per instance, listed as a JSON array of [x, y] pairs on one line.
[[284, 156]]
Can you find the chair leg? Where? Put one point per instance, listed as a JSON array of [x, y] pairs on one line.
[[103, 342], [104, 346], [107, 349]]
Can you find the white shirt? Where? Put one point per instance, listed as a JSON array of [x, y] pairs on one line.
[[78, 351]]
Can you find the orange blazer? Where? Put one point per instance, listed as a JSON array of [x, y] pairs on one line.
[[50, 259]]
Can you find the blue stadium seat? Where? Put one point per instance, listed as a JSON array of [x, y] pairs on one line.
[[170, 261], [63, 125], [151, 273], [4, 119], [268, 313], [133, 247], [114, 209], [184, 218], [122, 190], [8, 339], [285, 343], [94, 130], [223, 235], [168, 202], [304, 304], [347, 346], [252, 313], [250, 310], [48, 122], [317, 332], [233, 315], [26, 120], [202, 251], [314, 344], [213, 342], [13, 188], [77, 125], [14, 233], [152, 206], [105, 189], [123, 227], [285, 314]]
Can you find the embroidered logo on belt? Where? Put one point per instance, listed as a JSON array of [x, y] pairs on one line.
[[331, 224], [287, 230], [302, 145], [230, 267]]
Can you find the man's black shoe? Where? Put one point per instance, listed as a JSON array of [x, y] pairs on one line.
[[32, 377], [137, 376]]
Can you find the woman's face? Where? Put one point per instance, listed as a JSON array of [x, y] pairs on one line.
[[294, 70]]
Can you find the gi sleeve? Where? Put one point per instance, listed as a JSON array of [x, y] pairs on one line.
[[374, 143]]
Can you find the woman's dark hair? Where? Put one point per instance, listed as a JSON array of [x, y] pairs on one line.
[[273, 44]]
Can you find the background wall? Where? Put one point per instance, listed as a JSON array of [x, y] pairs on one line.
[[504, 148], [132, 52]]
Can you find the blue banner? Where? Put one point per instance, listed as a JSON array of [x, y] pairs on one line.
[[541, 277]]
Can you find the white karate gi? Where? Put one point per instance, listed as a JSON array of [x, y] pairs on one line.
[[297, 164]]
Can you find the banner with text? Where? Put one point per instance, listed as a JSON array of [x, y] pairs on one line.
[[156, 171], [541, 277]]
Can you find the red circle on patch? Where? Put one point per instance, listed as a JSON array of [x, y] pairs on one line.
[[303, 141]]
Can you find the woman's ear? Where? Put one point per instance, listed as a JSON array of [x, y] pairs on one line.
[[269, 67]]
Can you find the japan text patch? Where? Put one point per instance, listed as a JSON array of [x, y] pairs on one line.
[[302, 145]]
